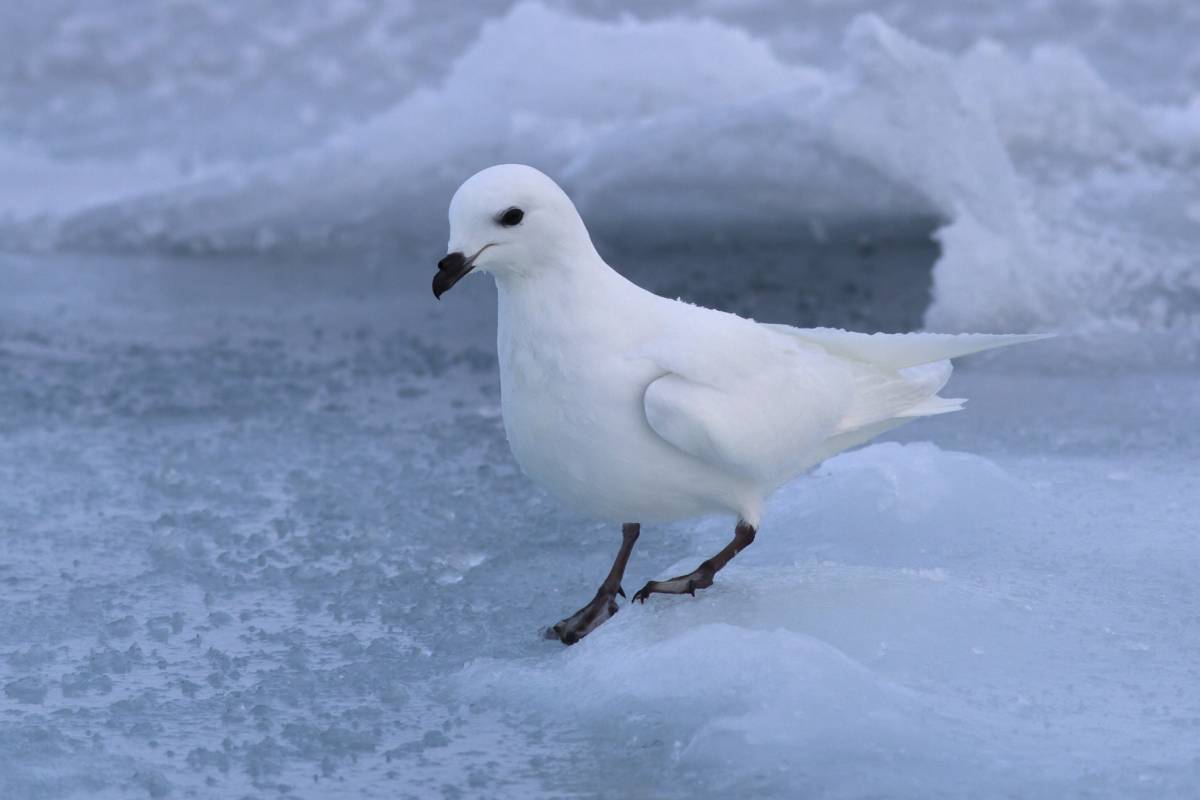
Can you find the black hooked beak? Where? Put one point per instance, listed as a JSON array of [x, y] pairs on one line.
[[451, 270]]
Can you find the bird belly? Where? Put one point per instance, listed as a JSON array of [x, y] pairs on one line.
[[586, 441]]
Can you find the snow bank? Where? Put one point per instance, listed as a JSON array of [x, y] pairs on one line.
[[1066, 206]]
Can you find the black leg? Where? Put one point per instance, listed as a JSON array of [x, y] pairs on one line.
[[604, 604], [702, 576]]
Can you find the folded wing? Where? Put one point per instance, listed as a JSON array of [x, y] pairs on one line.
[[901, 350], [770, 403], [743, 398]]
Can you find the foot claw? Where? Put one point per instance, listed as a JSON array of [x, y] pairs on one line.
[[621, 591]]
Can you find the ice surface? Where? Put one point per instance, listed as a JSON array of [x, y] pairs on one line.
[[261, 534]]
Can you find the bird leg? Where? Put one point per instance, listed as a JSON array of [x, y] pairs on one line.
[[702, 576], [604, 604]]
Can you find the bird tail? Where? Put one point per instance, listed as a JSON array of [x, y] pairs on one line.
[[887, 398], [897, 376]]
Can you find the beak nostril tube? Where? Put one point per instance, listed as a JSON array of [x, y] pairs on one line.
[[452, 261]]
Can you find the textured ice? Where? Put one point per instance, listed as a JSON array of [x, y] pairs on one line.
[[263, 536], [260, 532]]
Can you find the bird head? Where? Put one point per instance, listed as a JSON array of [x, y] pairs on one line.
[[510, 220]]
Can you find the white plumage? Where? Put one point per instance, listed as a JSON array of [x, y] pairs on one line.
[[630, 406]]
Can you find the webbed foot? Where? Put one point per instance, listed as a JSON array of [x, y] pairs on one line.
[[702, 576], [699, 578]]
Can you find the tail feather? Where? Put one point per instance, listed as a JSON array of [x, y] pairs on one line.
[[897, 376]]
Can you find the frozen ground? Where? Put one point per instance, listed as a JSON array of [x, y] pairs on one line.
[[261, 535]]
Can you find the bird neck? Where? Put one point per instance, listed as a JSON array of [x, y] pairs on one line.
[[571, 279], [565, 308]]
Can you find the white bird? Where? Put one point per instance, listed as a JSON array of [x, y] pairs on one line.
[[630, 406]]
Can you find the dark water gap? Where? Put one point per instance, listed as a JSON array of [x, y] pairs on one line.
[[863, 278]]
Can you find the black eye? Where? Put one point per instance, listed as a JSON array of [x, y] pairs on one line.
[[512, 217]]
